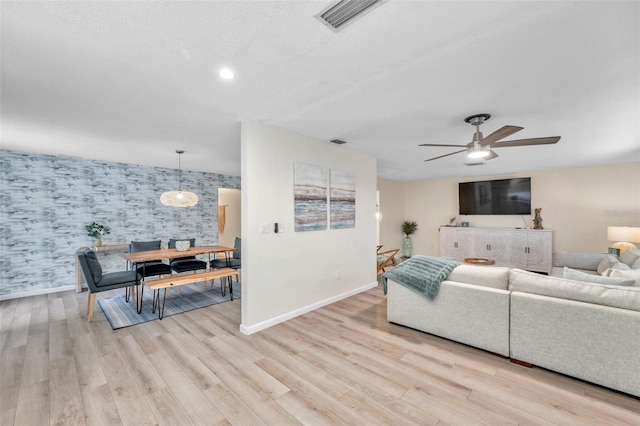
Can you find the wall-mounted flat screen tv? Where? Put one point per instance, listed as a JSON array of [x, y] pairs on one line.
[[499, 197]]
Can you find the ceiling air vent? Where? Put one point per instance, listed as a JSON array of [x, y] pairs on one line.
[[339, 14], [337, 141]]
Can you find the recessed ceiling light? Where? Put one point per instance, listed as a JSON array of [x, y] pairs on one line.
[[226, 73]]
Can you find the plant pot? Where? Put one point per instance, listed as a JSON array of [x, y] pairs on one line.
[[407, 247], [97, 242]]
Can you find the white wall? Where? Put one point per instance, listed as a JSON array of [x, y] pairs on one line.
[[287, 274], [577, 204], [392, 209], [231, 199]]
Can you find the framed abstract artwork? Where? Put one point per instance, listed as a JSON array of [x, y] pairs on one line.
[[342, 199], [310, 197]]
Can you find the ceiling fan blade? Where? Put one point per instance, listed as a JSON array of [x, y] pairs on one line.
[[492, 155], [500, 133], [446, 155], [526, 142], [436, 144]]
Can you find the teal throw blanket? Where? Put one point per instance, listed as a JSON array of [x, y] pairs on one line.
[[422, 274]]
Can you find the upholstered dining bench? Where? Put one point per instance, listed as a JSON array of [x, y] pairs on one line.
[[180, 280]]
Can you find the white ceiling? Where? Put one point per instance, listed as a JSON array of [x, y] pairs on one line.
[[134, 81]]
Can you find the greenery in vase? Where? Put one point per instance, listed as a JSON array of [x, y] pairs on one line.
[[96, 230], [409, 227]]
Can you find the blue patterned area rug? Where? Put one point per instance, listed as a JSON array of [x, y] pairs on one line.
[[122, 314]]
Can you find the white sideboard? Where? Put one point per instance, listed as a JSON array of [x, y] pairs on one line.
[[529, 249]]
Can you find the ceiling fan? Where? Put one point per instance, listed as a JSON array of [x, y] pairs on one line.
[[481, 149]]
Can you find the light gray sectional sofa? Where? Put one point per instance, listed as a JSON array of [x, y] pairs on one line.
[[472, 307], [585, 330]]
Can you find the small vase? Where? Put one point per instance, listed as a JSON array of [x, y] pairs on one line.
[[97, 242], [407, 247]]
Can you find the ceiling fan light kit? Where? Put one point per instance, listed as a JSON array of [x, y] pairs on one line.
[[480, 149]]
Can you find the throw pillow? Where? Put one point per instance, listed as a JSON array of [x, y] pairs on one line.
[[606, 263], [636, 264], [94, 266], [630, 256], [630, 274], [618, 266], [572, 274]]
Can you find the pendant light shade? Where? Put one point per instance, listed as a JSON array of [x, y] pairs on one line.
[[179, 198]]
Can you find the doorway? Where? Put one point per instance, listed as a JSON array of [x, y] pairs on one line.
[[229, 209]]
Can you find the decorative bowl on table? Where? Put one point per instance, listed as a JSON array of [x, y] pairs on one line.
[[183, 245]]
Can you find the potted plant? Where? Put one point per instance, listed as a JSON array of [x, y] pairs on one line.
[[96, 231], [409, 227]]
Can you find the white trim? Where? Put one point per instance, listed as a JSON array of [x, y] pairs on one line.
[[37, 292], [290, 315]]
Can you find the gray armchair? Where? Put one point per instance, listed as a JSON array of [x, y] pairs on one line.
[[97, 281]]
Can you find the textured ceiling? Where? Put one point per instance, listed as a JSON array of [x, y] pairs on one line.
[[134, 81]]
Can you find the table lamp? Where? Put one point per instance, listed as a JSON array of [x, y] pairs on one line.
[[625, 237]]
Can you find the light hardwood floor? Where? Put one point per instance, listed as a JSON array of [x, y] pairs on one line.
[[342, 364]]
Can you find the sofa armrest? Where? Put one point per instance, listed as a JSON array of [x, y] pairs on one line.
[[467, 313]]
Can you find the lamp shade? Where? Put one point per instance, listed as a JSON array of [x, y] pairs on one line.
[[179, 199], [623, 233]]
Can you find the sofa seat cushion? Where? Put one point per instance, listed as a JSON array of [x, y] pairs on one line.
[[632, 274], [558, 271], [607, 295], [486, 276], [572, 274]]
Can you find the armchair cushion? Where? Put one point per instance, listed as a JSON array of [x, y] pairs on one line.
[[222, 263], [192, 264], [123, 278], [94, 266], [150, 269]]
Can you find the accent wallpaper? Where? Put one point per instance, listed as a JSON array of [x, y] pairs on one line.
[[47, 200]]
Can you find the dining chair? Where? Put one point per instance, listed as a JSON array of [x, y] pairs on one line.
[[152, 268], [185, 264], [97, 281], [235, 261]]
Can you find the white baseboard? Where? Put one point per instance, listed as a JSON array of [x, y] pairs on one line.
[[289, 315], [37, 292]]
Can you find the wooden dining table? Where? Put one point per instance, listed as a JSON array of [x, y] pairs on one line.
[[165, 254]]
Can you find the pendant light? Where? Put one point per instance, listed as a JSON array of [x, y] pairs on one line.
[[179, 198]]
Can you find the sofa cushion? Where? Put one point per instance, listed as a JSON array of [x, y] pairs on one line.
[[618, 266], [572, 274], [486, 276], [629, 257], [629, 274], [607, 295], [577, 260], [606, 263]]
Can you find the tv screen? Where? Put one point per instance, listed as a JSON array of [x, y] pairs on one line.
[[499, 197]]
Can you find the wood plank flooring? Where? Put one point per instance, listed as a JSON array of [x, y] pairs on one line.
[[342, 364]]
